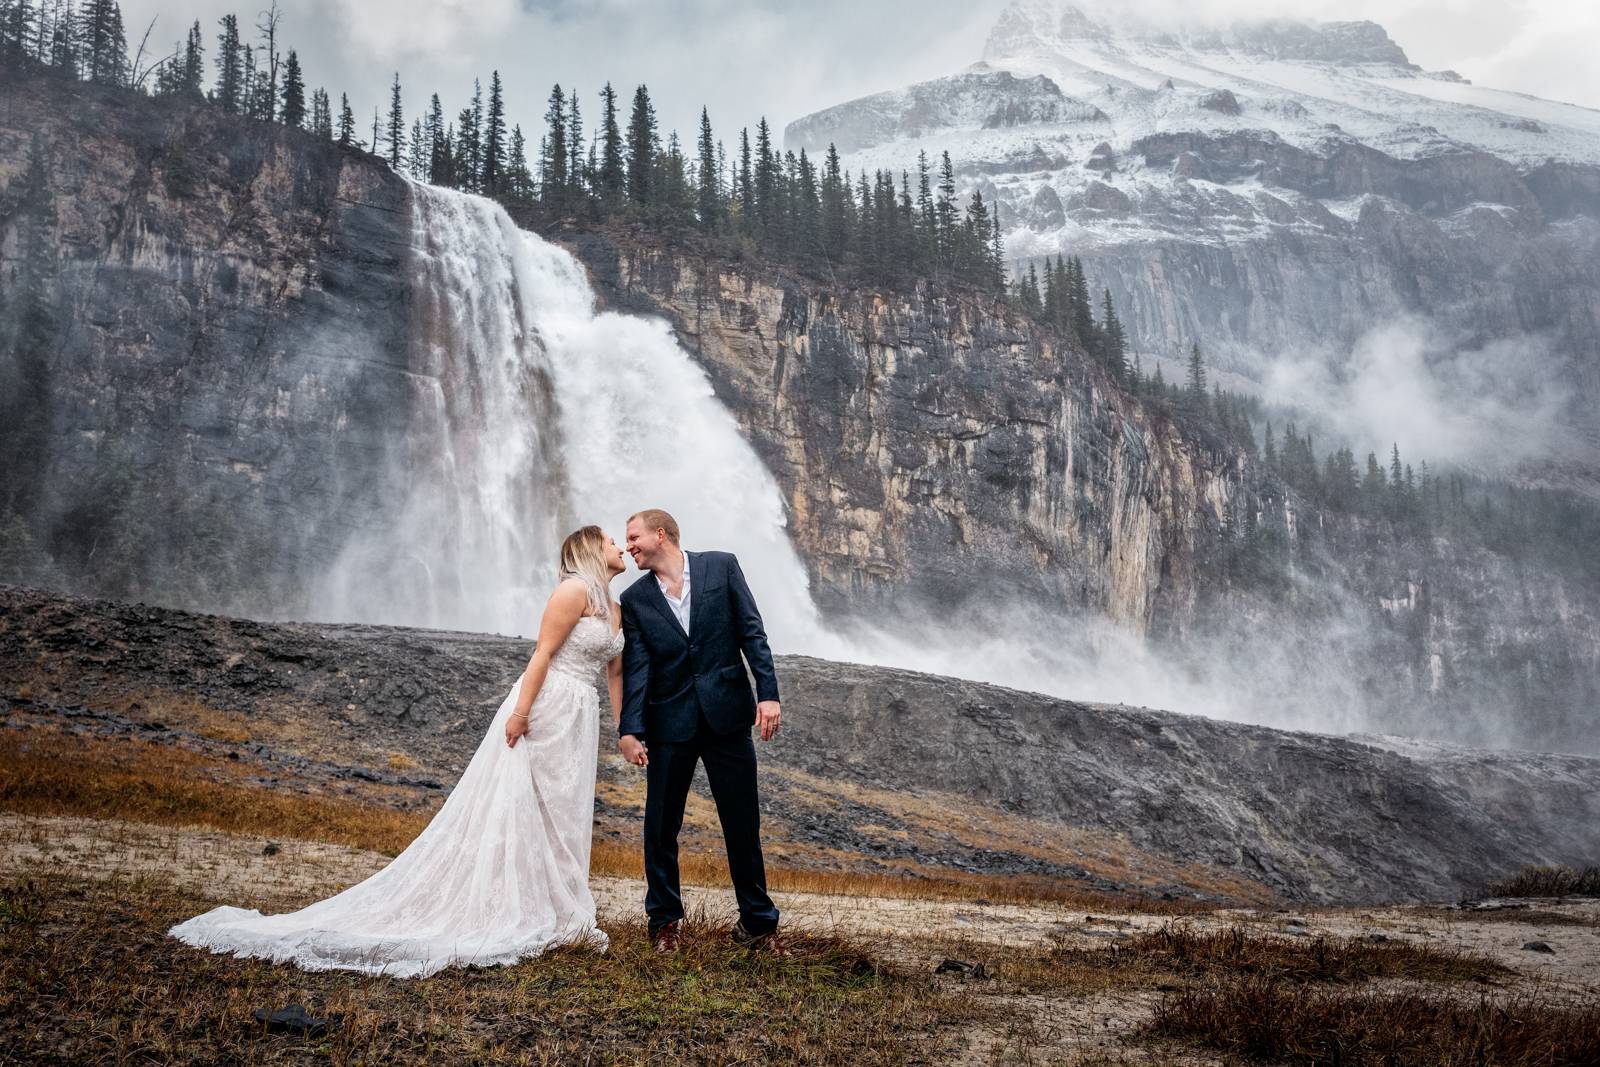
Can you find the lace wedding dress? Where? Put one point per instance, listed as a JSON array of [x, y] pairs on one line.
[[502, 871]]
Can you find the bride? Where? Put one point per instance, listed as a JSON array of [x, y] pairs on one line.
[[502, 871]]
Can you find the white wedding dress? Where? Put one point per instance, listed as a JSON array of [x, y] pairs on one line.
[[500, 874]]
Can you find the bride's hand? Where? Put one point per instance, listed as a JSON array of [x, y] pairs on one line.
[[516, 726]]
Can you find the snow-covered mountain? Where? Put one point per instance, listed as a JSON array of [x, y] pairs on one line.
[[1301, 199]]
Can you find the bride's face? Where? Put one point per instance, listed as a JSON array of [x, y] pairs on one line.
[[616, 562]]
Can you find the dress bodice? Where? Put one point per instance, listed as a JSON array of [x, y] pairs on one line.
[[587, 649]]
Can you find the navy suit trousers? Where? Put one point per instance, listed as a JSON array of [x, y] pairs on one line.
[[730, 761]]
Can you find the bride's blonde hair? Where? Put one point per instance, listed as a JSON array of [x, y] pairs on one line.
[[583, 557]]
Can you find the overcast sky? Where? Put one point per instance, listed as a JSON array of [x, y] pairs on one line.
[[784, 60]]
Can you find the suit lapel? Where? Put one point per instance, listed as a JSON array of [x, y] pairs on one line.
[[697, 582], [658, 600]]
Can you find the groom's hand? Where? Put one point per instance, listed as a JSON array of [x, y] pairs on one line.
[[633, 750], [767, 715]]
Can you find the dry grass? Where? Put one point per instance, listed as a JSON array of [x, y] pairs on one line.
[[399, 761], [1178, 953], [1277, 1022], [1536, 881], [88, 975], [51, 774]]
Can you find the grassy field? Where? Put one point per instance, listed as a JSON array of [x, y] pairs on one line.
[[88, 975]]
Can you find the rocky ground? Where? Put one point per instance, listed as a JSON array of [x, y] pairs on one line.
[[878, 771]]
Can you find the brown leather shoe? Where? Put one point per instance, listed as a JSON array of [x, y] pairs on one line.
[[667, 939], [769, 943]]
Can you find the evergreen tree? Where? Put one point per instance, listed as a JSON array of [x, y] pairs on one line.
[[1270, 451], [347, 122], [493, 176], [554, 165], [1079, 302], [321, 115], [102, 46], [766, 180], [709, 195], [613, 175], [192, 71], [433, 132], [1115, 342], [521, 176], [1374, 493], [575, 163], [927, 218], [945, 213], [396, 131], [293, 112], [835, 218], [21, 28], [230, 66], [641, 144], [1197, 377]]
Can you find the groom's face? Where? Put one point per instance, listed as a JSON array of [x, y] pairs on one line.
[[644, 544]]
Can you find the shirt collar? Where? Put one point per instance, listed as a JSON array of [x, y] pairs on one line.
[[662, 582]]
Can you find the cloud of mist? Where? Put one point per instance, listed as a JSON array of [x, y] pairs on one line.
[[1406, 381]]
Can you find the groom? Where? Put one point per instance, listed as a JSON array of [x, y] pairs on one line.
[[685, 695]]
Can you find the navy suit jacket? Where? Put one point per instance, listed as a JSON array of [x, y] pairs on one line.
[[669, 678]]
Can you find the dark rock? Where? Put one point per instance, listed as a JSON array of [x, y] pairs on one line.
[[270, 849], [1538, 946], [961, 967], [295, 1020]]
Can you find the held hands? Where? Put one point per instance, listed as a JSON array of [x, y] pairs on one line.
[[516, 726], [633, 750], [767, 715]]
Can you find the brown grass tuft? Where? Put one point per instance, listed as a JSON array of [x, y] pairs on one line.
[[399, 761], [1535, 881], [1177, 952], [1277, 1022]]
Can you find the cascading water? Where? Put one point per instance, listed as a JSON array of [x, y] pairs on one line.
[[535, 415]]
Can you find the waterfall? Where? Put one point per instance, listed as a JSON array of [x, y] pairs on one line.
[[533, 414]]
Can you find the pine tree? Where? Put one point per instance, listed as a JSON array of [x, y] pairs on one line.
[[20, 30], [321, 115], [521, 177], [101, 42], [927, 219], [766, 180], [347, 122], [438, 147], [192, 72], [709, 196], [417, 152], [613, 179], [1115, 342], [575, 162], [230, 66], [1079, 302], [554, 164], [1270, 451], [641, 144], [396, 132], [293, 112], [492, 179], [1197, 377], [945, 213]]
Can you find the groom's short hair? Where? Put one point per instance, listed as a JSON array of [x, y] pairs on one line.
[[656, 519]]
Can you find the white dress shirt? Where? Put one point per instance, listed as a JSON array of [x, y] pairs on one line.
[[679, 604]]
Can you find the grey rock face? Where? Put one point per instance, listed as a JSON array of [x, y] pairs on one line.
[[228, 392]]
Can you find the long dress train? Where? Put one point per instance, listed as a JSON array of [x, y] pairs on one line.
[[499, 874]]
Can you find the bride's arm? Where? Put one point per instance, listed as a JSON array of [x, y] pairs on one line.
[[614, 677], [561, 614]]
